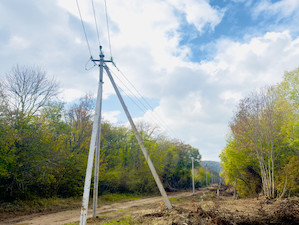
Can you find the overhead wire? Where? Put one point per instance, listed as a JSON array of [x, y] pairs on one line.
[[123, 91], [95, 21], [83, 28], [90, 67], [134, 88], [128, 89], [108, 30], [146, 106], [156, 119]]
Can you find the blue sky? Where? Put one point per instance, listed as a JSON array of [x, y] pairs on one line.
[[192, 60]]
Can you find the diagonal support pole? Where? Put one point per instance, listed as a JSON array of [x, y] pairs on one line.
[[140, 142]]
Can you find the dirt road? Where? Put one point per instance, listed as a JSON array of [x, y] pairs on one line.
[[71, 216], [204, 207]]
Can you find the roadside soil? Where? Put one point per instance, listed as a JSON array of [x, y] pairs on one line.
[[204, 207], [72, 216]]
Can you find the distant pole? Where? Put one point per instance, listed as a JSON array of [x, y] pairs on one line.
[[193, 187], [140, 142], [206, 175]]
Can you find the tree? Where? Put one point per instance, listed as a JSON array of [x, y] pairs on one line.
[[264, 127], [45, 154], [28, 89], [7, 148], [79, 117], [289, 87], [240, 168]]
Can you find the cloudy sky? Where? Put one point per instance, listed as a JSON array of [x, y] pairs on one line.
[[191, 60]]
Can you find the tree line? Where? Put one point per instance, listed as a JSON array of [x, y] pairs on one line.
[[262, 151], [44, 145]]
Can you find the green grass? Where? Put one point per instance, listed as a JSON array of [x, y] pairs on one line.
[[18, 208], [175, 199], [123, 221], [116, 197], [127, 220]]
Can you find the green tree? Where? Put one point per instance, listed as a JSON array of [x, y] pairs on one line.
[[264, 127]]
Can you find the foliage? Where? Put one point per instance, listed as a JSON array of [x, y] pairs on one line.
[[263, 148], [44, 148], [240, 169], [289, 177], [208, 173]]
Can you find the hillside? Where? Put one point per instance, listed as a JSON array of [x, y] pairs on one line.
[[212, 164]]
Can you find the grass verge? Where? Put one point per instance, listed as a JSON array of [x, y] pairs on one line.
[[39, 205], [111, 198]]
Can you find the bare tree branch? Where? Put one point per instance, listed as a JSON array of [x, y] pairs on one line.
[[29, 89]]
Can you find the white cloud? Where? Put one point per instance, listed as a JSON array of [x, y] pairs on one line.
[[196, 100], [18, 42], [229, 96], [199, 13], [146, 33], [284, 8], [111, 116], [69, 94], [260, 61], [84, 6]]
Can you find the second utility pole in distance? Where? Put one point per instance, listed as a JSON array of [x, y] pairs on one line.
[[193, 186]]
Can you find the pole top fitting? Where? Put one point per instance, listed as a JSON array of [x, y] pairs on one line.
[[101, 52]]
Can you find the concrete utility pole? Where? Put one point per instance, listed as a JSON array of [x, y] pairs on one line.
[[98, 142], [95, 143], [140, 142], [193, 187]]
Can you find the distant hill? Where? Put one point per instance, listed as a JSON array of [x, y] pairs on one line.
[[212, 164]]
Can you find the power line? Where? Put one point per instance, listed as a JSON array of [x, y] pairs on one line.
[[95, 20], [107, 22], [154, 116], [134, 88], [145, 104], [131, 93], [129, 90], [83, 28]]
